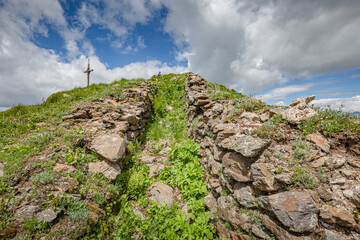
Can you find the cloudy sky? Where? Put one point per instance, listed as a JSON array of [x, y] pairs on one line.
[[276, 50]]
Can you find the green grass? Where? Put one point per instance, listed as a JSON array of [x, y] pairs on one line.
[[161, 222], [330, 121]]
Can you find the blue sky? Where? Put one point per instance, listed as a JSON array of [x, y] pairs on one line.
[[275, 50]]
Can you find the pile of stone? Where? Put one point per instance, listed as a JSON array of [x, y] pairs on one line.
[[253, 190], [110, 124]]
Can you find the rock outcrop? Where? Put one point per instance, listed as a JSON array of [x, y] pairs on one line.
[[279, 183]]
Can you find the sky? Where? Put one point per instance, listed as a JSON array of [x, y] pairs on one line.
[[274, 50]]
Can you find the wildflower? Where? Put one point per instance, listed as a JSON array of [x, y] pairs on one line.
[[42, 98]]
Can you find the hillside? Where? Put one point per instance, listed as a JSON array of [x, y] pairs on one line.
[[177, 157]]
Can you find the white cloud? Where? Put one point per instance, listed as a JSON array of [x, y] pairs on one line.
[[284, 92], [258, 44], [28, 72], [346, 104]]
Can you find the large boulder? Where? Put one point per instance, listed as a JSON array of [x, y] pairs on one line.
[[299, 110], [110, 146], [247, 146], [296, 210]]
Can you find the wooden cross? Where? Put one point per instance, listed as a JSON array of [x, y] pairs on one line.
[[88, 71]]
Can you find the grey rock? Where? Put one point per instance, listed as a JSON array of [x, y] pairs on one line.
[[105, 169], [160, 193], [244, 196], [259, 232], [110, 146], [296, 210], [48, 215], [147, 159], [25, 212], [332, 235], [246, 145], [130, 118]]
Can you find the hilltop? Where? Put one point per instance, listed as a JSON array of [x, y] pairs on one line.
[[177, 157]]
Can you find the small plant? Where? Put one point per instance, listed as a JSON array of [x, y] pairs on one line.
[[43, 177], [79, 156], [303, 176], [99, 199], [302, 151], [74, 208], [31, 225]]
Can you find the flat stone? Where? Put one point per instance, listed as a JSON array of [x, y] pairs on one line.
[[296, 210], [252, 117], [110, 146], [105, 169], [244, 196], [246, 145], [283, 178], [338, 181], [25, 212], [332, 235], [48, 215], [64, 168], [236, 167], [318, 162], [354, 162], [130, 118], [155, 169], [147, 159], [1, 169], [319, 141], [122, 126], [259, 232], [337, 215], [160, 193]]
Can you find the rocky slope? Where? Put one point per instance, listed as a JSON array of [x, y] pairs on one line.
[[116, 162], [284, 184]]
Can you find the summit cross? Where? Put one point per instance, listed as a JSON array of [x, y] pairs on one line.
[[88, 71]]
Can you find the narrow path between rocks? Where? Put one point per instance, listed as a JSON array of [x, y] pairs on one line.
[[162, 184]]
